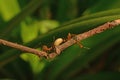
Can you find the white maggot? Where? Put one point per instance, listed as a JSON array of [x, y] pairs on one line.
[[58, 41]]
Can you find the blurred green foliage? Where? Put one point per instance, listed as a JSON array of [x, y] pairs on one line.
[[37, 22]]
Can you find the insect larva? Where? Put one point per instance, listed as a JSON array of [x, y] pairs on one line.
[[58, 41]]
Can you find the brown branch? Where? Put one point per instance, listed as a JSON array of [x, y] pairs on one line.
[[23, 48], [84, 35], [65, 45]]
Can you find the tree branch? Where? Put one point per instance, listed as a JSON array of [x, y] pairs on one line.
[[23, 48], [84, 35], [60, 48]]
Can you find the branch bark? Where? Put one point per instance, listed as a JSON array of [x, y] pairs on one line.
[[60, 48], [23, 48], [83, 36]]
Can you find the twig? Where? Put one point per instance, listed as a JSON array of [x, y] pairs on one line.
[[60, 48], [23, 48], [84, 35]]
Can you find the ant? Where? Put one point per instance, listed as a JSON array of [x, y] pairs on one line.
[[57, 42]]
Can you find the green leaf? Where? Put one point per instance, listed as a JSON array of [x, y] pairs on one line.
[[10, 10], [94, 15], [29, 9], [29, 31], [101, 6], [47, 25], [35, 62], [100, 76]]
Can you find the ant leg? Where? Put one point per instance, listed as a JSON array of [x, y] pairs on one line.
[[81, 46]]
